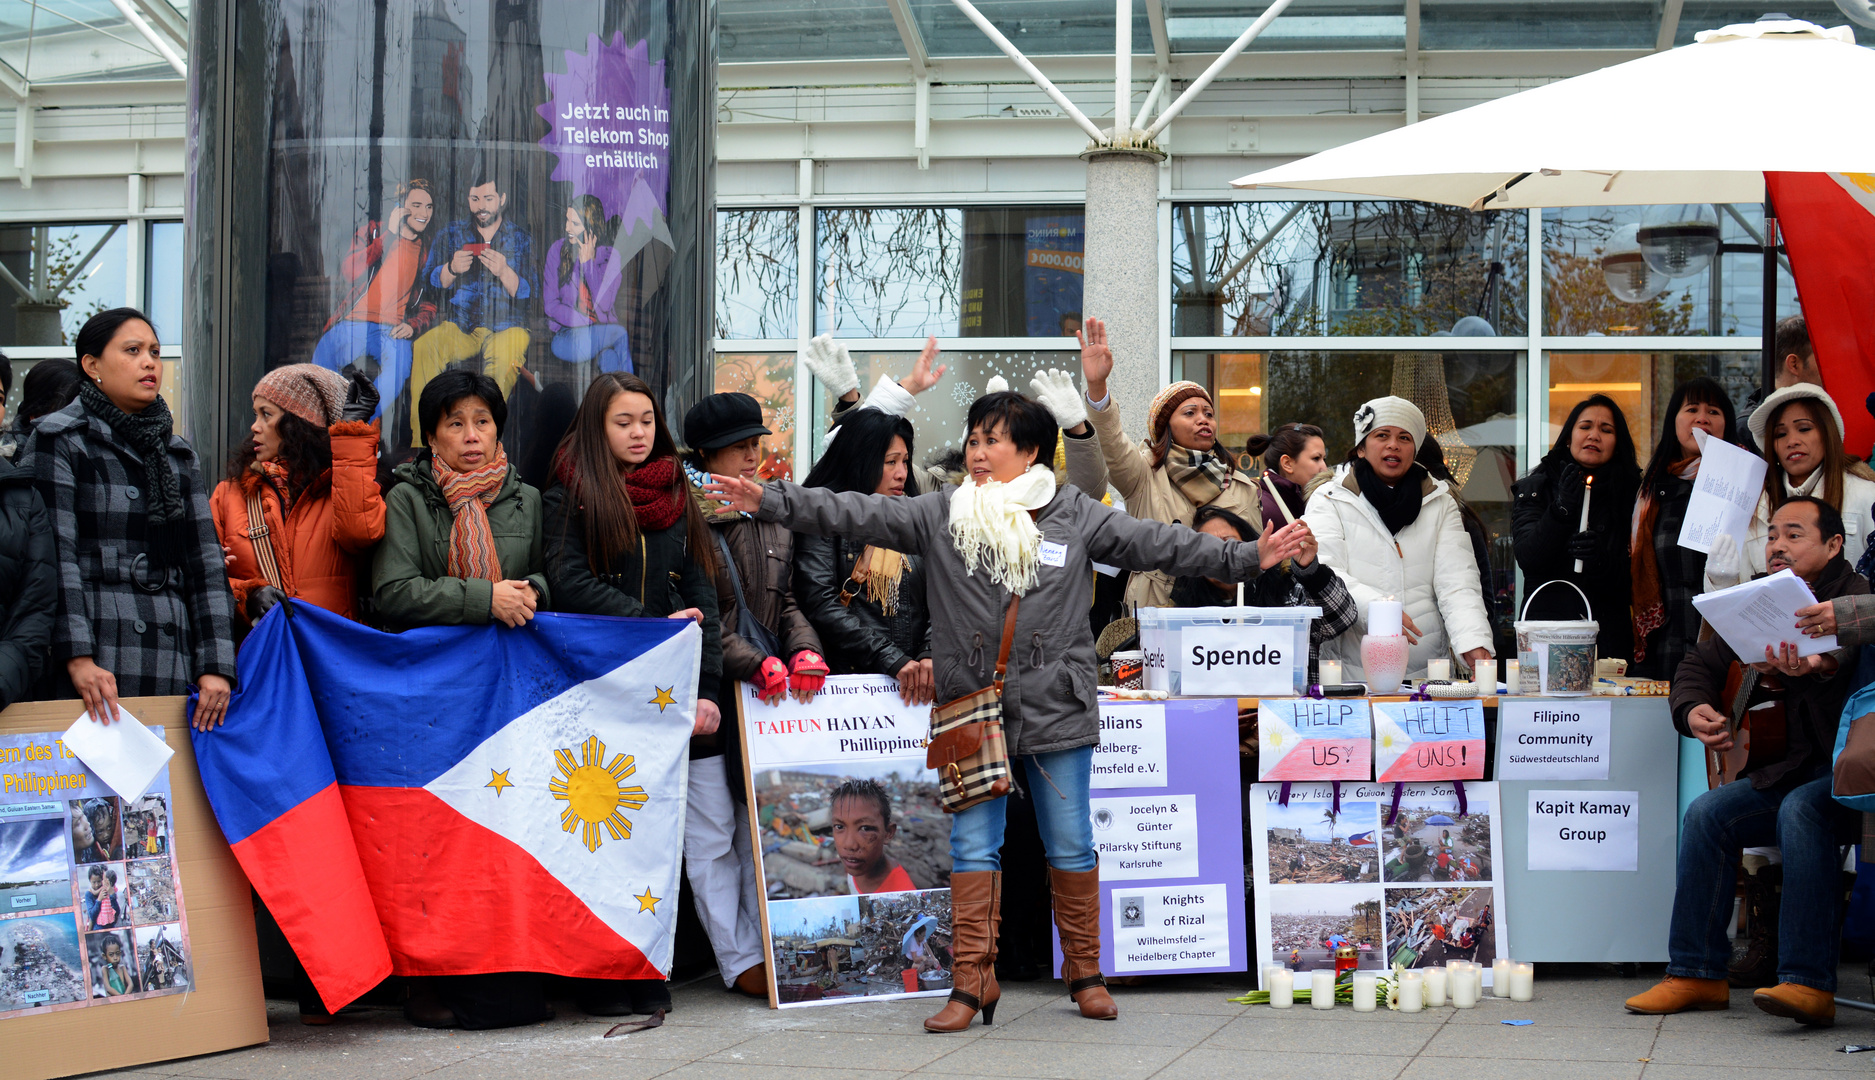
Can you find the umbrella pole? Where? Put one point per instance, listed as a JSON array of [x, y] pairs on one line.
[[1768, 376]]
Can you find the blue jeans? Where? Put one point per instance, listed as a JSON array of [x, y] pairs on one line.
[[1060, 812], [349, 340], [604, 342], [1808, 826]]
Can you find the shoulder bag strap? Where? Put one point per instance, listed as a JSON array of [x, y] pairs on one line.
[[261, 537], [1009, 634]]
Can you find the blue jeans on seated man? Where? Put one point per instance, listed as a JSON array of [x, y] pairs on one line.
[[350, 341], [1796, 815], [604, 342], [1058, 784]]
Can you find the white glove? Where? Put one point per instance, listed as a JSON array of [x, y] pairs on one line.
[[1055, 390], [832, 365], [1722, 563], [996, 385]]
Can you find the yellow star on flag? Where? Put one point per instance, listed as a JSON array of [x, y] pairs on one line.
[[647, 902], [664, 698], [498, 779]]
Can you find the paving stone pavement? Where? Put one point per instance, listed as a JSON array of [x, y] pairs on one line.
[[1174, 1029]]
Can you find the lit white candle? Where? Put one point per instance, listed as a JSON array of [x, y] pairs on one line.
[[1464, 990], [1438, 669], [1513, 676], [1522, 982], [1383, 618], [1588, 488], [1435, 987], [1366, 988], [1282, 987], [1322, 989], [1330, 672], [1240, 592], [1412, 991], [1500, 977]]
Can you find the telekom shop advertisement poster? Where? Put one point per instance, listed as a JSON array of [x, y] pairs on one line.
[[90, 900], [1169, 837], [851, 842], [1407, 874]]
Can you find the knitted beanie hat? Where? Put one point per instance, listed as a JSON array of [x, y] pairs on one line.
[[1159, 413], [1389, 412], [308, 391]]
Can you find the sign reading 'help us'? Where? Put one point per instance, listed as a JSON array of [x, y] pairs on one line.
[[1236, 661], [1314, 739]]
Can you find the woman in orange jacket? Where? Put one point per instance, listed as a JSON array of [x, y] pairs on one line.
[[301, 503]]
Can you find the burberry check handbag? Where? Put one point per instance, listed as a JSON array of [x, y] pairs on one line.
[[967, 747]]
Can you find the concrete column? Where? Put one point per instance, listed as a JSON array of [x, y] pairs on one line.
[[1122, 267]]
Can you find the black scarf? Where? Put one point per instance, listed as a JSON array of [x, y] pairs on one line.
[[1398, 505], [148, 433]]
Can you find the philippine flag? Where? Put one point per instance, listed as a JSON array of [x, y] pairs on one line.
[[1829, 227], [1365, 839], [460, 800]]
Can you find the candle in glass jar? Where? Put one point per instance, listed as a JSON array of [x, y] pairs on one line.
[[1322, 989], [1513, 676], [1282, 987], [1438, 669], [1522, 982], [1464, 990], [1412, 991], [1500, 977], [1435, 987], [1383, 618], [1366, 986], [1476, 971], [1330, 672]]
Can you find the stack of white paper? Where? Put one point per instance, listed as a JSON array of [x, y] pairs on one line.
[[1725, 494], [1760, 613]]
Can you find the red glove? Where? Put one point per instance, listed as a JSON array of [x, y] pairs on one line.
[[771, 683], [810, 672]]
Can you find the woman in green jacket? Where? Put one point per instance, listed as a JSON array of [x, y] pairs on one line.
[[462, 546]]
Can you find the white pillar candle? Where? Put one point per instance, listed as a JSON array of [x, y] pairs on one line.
[[1476, 971], [1513, 676], [1522, 982], [1412, 991], [1438, 669], [1588, 490], [1366, 987], [1282, 986], [1435, 987], [1383, 618], [1330, 672], [1269, 973], [1322, 989], [1500, 977], [1464, 991]]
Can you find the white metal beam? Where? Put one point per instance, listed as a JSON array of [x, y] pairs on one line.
[[23, 119], [1217, 66], [166, 19], [13, 82], [1152, 98], [909, 33], [1028, 67], [1122, 68], [1669, 25], [157, 41], [1412, 34], [1161, 44]]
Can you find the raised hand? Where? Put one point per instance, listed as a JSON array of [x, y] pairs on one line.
[[1096, 358], [832, 364], [923, 377], [735, 493], [1056, 391]]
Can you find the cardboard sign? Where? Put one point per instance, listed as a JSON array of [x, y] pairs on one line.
[[1585, 830], [1314, 739], [1232, 661], [1429, 740], [1553, 740]]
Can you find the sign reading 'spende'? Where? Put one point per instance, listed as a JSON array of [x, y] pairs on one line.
[[1236, 660]]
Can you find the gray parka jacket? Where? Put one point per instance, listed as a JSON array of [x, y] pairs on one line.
[[1049, 700]]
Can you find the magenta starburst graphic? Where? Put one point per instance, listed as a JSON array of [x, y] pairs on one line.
[[610, 117]]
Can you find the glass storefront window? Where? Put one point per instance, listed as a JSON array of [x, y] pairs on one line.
[[938, 414], [1642, 383], [769, 379], [989, 272], [1590, 252], [757, 273], [162, 278], [1539, 24], [60, 275], [1253, 269]]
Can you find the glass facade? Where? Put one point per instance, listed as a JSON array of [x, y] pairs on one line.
[[57, 276]]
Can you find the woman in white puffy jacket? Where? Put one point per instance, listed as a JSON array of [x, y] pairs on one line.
[[1393, 532]]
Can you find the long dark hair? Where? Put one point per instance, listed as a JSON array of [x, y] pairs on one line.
[[595, 480], [1290, 440], [305, 451], [1835, 458], [856, 459], [592, 215], [1622, 469], [1703, 390], [49, 386]]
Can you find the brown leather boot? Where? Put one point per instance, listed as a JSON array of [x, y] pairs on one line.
[[1676, 993], [1804, 1004], [1763, 885], [976, 915], [1077, 919]]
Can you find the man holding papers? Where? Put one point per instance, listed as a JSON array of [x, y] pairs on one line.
[[1783, 800]]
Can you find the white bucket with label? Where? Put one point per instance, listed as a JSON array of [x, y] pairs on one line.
[[1556, 656]]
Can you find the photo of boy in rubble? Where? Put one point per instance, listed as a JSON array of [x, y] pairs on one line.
[[850, 829]]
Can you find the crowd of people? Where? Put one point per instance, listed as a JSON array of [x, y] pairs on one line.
[[125, 572]]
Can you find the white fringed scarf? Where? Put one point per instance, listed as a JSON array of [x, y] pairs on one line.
[[990, 524]]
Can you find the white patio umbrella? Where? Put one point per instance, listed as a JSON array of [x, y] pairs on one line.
[[1698, 124]]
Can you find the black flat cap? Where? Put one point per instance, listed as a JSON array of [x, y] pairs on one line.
[[721, 419]]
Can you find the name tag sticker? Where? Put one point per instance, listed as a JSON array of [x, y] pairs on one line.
[[1054, 554]]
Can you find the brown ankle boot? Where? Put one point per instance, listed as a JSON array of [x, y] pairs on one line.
[[1077, 919], [976, 915], [1676, 993]]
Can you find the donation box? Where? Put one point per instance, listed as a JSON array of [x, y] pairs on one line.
[[1226, 651]]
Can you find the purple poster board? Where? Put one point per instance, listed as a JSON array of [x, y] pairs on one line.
[[1170, 840]]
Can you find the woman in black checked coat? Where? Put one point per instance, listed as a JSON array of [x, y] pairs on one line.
[[144, 607]]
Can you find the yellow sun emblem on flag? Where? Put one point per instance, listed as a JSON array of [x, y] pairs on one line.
[[595, 793]]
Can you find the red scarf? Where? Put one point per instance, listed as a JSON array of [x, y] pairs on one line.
[[656, 495]]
